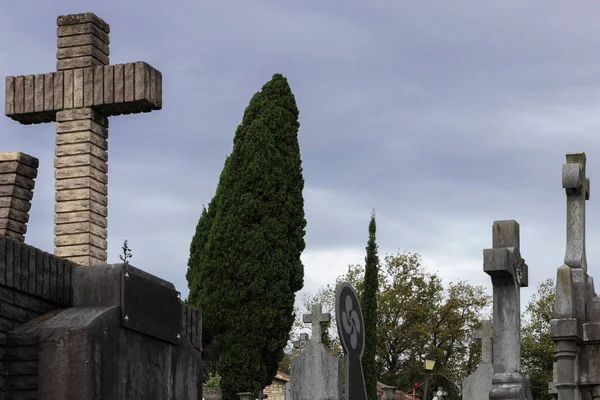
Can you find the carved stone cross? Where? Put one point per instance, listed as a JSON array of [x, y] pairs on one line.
[[79, 96], [486, 334], [577, 187], [508, 271], [316, 318]]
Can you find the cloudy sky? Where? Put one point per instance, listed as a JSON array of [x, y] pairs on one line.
[[443, 116]]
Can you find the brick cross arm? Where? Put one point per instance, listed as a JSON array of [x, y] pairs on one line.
[[110, 89]]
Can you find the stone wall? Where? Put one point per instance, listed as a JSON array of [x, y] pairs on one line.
[[32, 283]]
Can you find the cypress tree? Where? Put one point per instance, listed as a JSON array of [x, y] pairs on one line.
[[245, 265], [368, 304]]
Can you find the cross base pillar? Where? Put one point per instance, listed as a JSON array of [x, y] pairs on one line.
[[81, 186]]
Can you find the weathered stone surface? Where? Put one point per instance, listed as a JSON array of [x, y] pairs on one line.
[[507, 268], [80, 177], [17, 174], [78, 88], [316, 374], [72, 19], [479, 384], [80, 217], [68, 89]]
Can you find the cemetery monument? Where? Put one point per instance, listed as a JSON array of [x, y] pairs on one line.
[[72, 326]]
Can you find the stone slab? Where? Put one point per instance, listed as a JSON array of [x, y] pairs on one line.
[[150, 308]]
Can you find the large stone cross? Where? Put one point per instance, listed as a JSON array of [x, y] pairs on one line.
[[577, 187], [79, 96], [508, 270], [316, 318], [486, 334]]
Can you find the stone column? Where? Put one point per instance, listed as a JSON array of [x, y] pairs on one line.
[[81, 186], [17, 174]]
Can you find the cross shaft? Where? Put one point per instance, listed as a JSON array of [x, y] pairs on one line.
[[80, 96]]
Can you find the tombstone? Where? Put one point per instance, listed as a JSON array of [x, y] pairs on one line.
[[508, 270], [80, 96], [479, 384], [301, 343], [69, 331], [316, 374], [246, 396], [351, 329]]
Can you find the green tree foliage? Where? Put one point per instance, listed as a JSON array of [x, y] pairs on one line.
[[245, 265], [368, 304], [417, 315], [537, 348]]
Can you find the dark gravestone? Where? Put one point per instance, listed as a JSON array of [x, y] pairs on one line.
[[351, 329], [151, 309]]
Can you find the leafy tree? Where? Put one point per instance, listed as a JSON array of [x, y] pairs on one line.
[[537, 348], [245, 266], [368, 304]]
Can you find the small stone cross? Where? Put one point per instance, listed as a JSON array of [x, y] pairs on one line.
[[486, 334], [440, 393], [317, 319], [577, 187], [80, 96], [302, 342]]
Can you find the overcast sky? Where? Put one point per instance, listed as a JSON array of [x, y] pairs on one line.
[[443, 116]]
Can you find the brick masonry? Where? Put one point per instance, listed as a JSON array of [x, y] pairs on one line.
[[17, 180], [32, 283]]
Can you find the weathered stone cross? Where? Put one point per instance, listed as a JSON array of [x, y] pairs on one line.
[[486, 334], [509, 273], [577, 187], [80, 96], [316, 318]]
